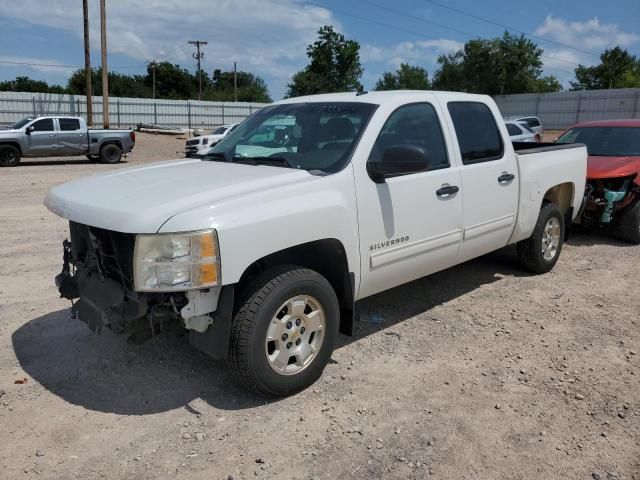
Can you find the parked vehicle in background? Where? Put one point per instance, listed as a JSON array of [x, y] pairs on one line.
[[613, 174], [520, 132], [262, 248], [531, 121], [203, 143], [60, 136]]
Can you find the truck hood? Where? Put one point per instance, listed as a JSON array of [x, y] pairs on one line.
[[612, 167], [141, 199]]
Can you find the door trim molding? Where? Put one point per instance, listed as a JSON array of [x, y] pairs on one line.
[[413, 249], [488, 226]]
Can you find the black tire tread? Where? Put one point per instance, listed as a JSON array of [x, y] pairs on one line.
[[628, 228], [101, 157], [17, 152], [245, 319], [527, 250]]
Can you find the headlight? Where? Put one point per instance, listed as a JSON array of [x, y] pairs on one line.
[[205, 141], [176, 261]]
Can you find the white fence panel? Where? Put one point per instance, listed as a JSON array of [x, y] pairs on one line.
[[126, 112]]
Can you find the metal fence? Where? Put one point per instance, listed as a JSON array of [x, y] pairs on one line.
[[562, 109], [126, 112]]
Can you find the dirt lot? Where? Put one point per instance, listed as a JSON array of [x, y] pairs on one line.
[[480, 371]]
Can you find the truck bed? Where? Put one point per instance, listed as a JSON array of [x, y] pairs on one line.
[[542, 166], [524, 148]]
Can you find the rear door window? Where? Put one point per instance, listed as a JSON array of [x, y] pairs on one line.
[[69, 124], [532, 122], [478, 134]]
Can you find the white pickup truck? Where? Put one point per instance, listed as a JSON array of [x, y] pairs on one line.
[[262, 249]]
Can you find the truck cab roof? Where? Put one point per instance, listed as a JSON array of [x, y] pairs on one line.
[[384, 97]]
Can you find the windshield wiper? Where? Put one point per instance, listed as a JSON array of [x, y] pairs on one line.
[[215, 156], [280, 161]]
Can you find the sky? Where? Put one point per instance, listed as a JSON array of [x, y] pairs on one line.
[[42, 39]]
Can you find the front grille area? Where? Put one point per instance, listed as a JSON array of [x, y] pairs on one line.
[[195, 141], [108, 252]]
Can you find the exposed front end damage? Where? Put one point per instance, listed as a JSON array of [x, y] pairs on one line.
[[97, 276], [608, 199]]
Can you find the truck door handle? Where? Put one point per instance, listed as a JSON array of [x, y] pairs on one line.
[[447, 190], [506, 177]]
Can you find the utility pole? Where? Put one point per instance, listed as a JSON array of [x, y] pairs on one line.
[[198, 56], [153, 65], [235, 82], [87, 63], [105, 70]]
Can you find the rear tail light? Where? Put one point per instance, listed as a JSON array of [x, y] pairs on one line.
[[132, 134]]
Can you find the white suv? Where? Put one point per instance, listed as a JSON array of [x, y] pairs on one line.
[[532, 121], [203, 143]]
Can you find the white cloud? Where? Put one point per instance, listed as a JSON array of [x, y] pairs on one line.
[[423, 52], [268, 37], [589, 35]]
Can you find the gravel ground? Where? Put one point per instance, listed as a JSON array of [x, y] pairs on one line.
[[481, 371]]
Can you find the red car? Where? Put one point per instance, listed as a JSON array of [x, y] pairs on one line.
[[613, 174]]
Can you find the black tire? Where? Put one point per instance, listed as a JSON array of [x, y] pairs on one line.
[[110, 153], [628, 228], [530, 251], [248, 348], [9, 156]]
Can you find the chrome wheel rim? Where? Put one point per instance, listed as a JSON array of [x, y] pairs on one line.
[[551, 239], [295, 335]]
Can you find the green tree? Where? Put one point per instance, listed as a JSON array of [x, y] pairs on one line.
[[450, 74], [120, 85], [407, 77], [617, 69], [499, 66], [548, 84], [251, 88], [334, 66], [26, 84]]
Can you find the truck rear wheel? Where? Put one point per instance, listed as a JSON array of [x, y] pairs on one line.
[[9, 156], [110, 153], [540, 252], [628, 228], [284, 331]]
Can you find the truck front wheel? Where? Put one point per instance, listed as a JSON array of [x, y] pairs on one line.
[[540, 252], [9, 156], [284, 331], [110, 153]]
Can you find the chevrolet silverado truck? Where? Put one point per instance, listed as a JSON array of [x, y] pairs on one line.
[[613, 175], [261, 249], [60, 136]]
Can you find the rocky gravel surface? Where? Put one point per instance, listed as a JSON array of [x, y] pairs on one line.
[[480, 371]]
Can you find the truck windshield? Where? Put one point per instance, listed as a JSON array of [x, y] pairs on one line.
[[21, 123], [309, 136], [606, 141]]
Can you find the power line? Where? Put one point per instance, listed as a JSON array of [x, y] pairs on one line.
[[401, 29], [507, 27], [430, 22]]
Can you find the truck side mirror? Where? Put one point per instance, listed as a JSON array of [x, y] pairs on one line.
[[399, 160], [29, 129]]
